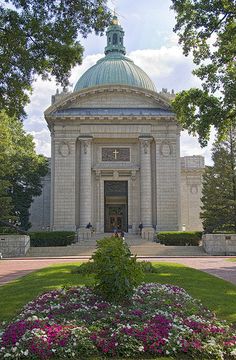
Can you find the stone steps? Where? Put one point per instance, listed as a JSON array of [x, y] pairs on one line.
[[138, 247]]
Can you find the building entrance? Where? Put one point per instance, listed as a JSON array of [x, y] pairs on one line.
[[116, 206]]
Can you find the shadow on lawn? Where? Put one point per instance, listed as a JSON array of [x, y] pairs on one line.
[[216, 294]]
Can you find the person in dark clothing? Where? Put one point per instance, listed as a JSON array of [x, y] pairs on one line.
[[140, 228], [89, 226]]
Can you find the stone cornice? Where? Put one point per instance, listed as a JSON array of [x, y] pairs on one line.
[[111, 120], [72, 97], [192, 172]]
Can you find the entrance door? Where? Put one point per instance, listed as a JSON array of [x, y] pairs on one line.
[[116, 206]]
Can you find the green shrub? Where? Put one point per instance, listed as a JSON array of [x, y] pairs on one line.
[[90, 268], [85, 268], [117, 273], [147, 267], [180, 238], [51, 238], [7, 231]]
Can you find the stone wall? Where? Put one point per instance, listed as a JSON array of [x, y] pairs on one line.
[[219, 244], [192, 168], [14, 245], [40, 207]]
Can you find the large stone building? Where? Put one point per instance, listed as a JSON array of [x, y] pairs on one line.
[[116, 153]]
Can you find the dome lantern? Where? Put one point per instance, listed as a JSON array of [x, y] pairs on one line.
[[115, 36]]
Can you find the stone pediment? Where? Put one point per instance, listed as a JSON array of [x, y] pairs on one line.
[[114, 97]]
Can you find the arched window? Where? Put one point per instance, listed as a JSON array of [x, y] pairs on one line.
[[109, 40], [121, 43], [114, 39]]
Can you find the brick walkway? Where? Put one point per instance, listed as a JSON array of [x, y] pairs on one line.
[[218, 266]]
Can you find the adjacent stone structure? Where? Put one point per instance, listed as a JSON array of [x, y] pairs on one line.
[[116, 151], [192, 168], [14, 245], [219, 244]]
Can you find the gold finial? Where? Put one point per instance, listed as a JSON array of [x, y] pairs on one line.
[[114, 19]]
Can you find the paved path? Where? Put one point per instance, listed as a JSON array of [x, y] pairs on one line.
[[11, 269]]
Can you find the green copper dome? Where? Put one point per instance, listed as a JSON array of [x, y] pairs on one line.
[[115, 67]]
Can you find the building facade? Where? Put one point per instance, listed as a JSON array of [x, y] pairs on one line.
[[115, 150]]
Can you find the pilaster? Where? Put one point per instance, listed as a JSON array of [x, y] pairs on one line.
[[168, 179], [85, 181], [146, 186], [63, 213]]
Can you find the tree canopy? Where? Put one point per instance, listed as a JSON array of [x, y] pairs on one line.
[[219, 187], [207, 29], [21, 170], [40, 37]]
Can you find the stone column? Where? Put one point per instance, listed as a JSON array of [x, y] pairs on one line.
[[52, 179], [98, 199], [146, 187], [85, 182]]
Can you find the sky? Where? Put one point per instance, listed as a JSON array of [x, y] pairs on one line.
[[151, 43]]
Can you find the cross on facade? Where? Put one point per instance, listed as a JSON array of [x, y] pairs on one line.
[[115, 153]]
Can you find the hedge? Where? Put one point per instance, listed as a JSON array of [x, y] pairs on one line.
[[180, 238], [51, 238]]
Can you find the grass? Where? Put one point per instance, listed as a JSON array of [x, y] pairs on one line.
[[232, 259], [216, 294]]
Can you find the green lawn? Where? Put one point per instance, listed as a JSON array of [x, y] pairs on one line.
[[216, 294]]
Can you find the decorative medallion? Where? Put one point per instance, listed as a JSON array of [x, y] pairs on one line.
[[165, 148], [64, 149], [115, 154], [194, 189]]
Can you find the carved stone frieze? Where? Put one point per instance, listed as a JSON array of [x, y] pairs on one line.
[[85, 143], [98, 174], [133, 175], [145, 143], [115, 154]]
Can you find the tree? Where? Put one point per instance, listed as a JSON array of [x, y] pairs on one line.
[[219, 187], [21, 170], [5, 199], [40, 37], [207, 29]]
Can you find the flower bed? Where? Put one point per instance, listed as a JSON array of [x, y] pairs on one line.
[[159, 320]]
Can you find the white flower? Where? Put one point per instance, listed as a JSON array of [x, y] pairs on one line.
[[14, 349], [141, 348], [26, 352], [233, 352], [7, 355], [211, 342]]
